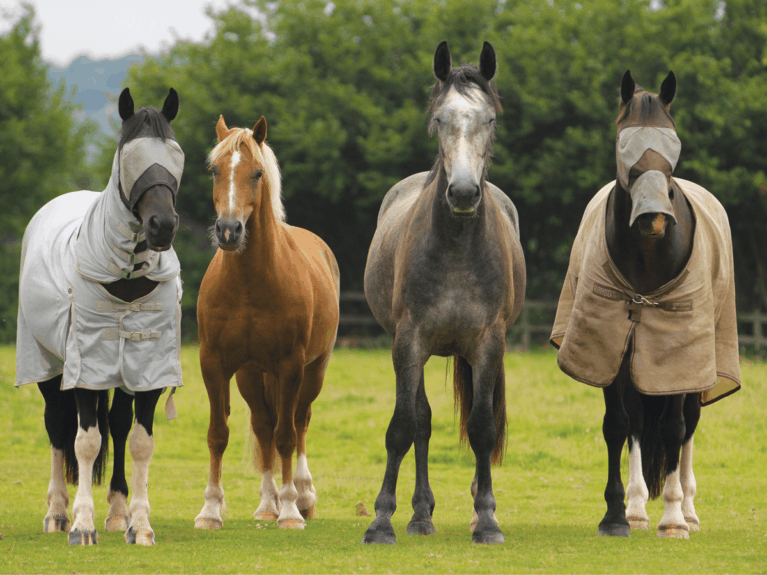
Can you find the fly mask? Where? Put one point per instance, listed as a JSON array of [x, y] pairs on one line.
[[147, 162], [649, 193]]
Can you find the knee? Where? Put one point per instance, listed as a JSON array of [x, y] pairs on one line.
[[615, 425], [88, 443], [285, 440], [141, 444]]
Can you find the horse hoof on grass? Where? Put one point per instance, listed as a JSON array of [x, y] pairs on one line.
[[675, 531], [692, 524], [208, 523], [56, 524], [420, 528], [489, 537], [307, 513], [638, 523], [291, 524], [265, 516], [140, 538], [614, 531], [83, 538], [377, 537], [117, 523]]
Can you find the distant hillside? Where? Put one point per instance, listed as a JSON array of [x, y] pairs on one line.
[[95, 81]]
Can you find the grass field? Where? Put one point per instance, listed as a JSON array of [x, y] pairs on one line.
[[548, 491]]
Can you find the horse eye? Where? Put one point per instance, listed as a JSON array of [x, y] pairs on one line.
[[214, 171], [257, 175]]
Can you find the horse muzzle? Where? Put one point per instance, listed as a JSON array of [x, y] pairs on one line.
[[463, 197], [229, 234], [160, 231], [650, 196]]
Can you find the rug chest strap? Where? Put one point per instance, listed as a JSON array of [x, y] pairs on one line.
[[114, 333], [104, 306]]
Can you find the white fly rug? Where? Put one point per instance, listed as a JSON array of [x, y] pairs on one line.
[[683, 336], [69, 324]]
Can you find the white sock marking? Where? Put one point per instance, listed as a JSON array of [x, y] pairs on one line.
[[636, 491], [141, 449]]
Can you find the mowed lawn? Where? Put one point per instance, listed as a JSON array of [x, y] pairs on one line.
[[548, 490]]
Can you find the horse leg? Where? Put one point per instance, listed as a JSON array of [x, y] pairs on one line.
[[87, 447], [487, 374], [615, 428], [217, 386], [423, 497], [290, 378], [314, 375], [672, 432], [60, 416], [689, 487], [637, 493], [141, 444], [251, 384], [120, 422], [408, 366]]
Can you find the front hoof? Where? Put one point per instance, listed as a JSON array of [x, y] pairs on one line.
[[265, 516], [208, 523], [117, 523], [56, 524], [291, 524], [140, 538], [425, 527], [675, 531], [638, 523], [83, 537], [307, 513], [475, 520], [614, 531], [487, 536], [692, 524], [380, 536]]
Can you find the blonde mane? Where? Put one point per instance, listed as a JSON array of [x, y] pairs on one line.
[[263, 154]]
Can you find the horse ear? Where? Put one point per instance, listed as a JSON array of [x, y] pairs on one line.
[[487, 61], [170, 106], [627, 87], [259, 131], [668, 89], [221, 130], [443, 62], [125, 105]]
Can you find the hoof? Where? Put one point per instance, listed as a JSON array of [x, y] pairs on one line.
[[208, 523], [307, 513], [264, 516], [475, 520], [489, 537], [614, 531], [692, 524], [638, 523], [420, 528], [83, 538], [117, 523], [675, 531], [56, 524], [379, 537], [291, 524], [140, 538]]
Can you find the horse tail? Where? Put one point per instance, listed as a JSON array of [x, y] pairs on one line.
[[102, 416], [463, 390], [652, 449]]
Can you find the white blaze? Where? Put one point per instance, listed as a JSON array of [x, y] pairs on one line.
[[236, 156]]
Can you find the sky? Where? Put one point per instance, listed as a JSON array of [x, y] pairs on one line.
[[111, 28]]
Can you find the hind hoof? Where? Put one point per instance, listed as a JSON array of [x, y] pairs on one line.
[[420, 528], [140, 538], [638, 523], [83, 538], [489, 537], [675, 531], [614, 531], [291, 524], [692, 524], [265, 516], [56, 524], [117, 523], [208, 523], [379, 537], [307, 513]]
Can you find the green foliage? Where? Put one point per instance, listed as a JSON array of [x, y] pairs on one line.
[[43, 150], [549, 491]]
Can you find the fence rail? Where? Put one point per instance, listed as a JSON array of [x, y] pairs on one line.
[[752, 326]]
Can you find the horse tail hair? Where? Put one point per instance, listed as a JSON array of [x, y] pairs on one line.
[[463, 390], [652, 449], [102, 416]]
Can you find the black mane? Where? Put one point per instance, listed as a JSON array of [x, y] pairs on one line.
[[646, 109], [146, 122], [462, 79]]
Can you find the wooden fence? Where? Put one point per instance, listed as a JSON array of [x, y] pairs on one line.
[[537, 317]]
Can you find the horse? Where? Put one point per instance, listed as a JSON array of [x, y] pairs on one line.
[[267, 314], [647, 312], [445, 276], [99, 308]]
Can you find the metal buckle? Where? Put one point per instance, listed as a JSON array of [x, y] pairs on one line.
[[642, 300], [136, 336]]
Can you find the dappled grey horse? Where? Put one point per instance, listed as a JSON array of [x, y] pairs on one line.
[[445, 276]]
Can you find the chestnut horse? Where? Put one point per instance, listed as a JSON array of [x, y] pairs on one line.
[[445, 276], [268, 314]]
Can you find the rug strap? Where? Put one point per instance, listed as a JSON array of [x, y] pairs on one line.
[[114, 333]]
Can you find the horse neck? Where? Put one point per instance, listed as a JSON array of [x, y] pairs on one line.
[[646, 263], [262, 243]]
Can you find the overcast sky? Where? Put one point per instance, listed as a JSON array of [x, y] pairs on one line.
[[110, 28]]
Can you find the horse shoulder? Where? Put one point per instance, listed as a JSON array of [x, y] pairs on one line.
[[506, 205]]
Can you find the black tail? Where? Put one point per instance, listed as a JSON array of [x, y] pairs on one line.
[[653, 451], [71, 469], [463, 388]]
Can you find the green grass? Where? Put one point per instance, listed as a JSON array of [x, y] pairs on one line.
[[548, 491]]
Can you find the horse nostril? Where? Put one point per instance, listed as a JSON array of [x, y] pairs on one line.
[[153, 224], [237, 230]]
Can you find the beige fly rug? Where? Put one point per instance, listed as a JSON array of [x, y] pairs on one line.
[[68, 323], [684, 334]]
